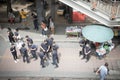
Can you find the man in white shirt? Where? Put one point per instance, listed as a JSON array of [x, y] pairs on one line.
[[103, 71]]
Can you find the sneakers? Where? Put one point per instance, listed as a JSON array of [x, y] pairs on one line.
[[43, 66], [15, 61], [44, 36], [56, 66], [41, 35]]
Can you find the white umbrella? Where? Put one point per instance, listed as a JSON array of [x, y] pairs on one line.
[[97, 33]]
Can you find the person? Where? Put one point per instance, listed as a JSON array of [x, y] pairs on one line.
[[55, 46], [93, 48], [11, 18], [51, 25], [83, 43], [42, 56], [23, 15], [10, 36], [45, 4], [14, 52], [50, 42], [94, 4], [24, 52], [100, 52], [29, 41], [45, 47], [103, 71], [19, 45], [55, 56], [33, 50], [106, 45], [86, 54], [44, 28], [16, 35], [35, 21], [112, 45], [113, 12]]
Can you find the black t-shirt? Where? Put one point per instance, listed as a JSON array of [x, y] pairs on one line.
[[13, 49], [11, 34], [87, 49]]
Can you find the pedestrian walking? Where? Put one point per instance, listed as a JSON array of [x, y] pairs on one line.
[[35, 21], [42, 56], [55, 56], [10, 35], [51, 25], [33, 50], [44, 28], [24, 52], [103, 71], [14, 52]]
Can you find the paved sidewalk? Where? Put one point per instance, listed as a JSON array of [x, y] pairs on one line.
[[70, 67]]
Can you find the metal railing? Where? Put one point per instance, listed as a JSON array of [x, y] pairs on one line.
[[110, 8]]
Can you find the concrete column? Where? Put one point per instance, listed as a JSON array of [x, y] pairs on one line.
[[39, 7], [53, 9], [70, 14]]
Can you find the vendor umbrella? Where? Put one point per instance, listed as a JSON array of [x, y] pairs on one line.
[[97, 33]]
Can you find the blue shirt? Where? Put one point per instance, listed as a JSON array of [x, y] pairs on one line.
[[49, 41], [103, 72], [44, 46], [34, 47]]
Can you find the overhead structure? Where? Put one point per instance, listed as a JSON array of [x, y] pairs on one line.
[[101, 15]]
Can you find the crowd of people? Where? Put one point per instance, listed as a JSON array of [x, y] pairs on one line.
[[46, 26], [100, 50], [89, 48], [26, 49]]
